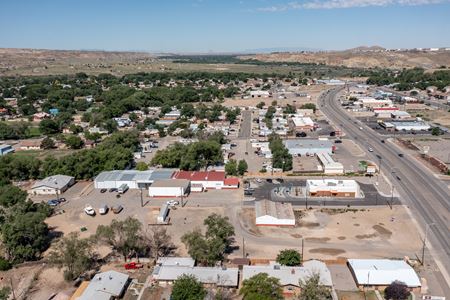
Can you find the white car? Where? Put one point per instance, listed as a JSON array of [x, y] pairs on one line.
[[103, 210], [370, 149], [258, 180], [89, 210], [172, 203]]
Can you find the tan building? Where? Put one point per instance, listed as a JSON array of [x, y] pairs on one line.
[[333, 188]]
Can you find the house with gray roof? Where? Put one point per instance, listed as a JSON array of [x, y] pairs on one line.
[[52, 185], [290, 277], [105, 286]]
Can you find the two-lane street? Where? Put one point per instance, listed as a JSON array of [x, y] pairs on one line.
[[427, 196]]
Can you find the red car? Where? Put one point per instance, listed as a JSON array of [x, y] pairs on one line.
[[133, 266]]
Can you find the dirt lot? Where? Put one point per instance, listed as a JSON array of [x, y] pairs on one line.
[[437, 116], [376, 232], [439, 148]]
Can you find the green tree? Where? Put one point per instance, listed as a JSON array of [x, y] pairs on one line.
[[10, 195], [74, 142], [74, 255], [5, 292], [231, 167], [242, 167], [141, 166], [289, 257], [261, 287], [260, 105], [312, 289], [396, 291], [309, 106], [187, 287], [211, 247], [49, 126], [125, 236], [436, 131], [47, 143]]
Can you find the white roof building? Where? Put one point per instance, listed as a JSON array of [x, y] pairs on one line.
[[207, 275], [329, 165], [383, 272], [52, 185], [332, 187], [133, 178], [302, 122], [105, 286], [409, 126], [291, 275], [175, 261], [308, 146], [269, 213]]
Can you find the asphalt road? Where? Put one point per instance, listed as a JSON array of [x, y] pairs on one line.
[[245, 130], [427, 196]]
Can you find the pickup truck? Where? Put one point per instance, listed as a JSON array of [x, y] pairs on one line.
[[133, 266]]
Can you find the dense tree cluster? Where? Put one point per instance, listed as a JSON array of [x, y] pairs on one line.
[[114, 153], [209, 248], [411, 78], [280, 155], [289, 257], [194, 156], [232, 167]]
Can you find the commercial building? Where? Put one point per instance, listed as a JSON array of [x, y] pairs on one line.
[[52, 185], [380, 273], [310, 147], [269, 213], [400, 115], [209, 276], [333, 188], [408, 126], [384, 112], [302, 124], [5, 149], [169, 188], [329, 165], [104, 286], [133, 178], [290, 277], [371, 102], [207, 179]]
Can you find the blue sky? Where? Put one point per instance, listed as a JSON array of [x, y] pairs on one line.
[[223, 25]]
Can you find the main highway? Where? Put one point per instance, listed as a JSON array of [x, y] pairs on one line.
[[427, 197]]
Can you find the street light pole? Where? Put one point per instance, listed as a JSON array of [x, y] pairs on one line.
[[425, 241]]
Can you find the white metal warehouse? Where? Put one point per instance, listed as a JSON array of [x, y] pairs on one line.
[[133, 178], [169, 188], [269, 213]]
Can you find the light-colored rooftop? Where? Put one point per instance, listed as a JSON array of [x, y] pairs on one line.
[[55, 181], [291, 275], [206, 275], [308, 143], [383, 272], [105, 286], [134, 175], [277, 210], [184, 183], [176, 261], [331, 183]]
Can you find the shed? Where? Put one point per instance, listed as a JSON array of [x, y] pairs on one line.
[[269, 213]]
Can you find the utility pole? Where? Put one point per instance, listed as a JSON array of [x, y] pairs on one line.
[[424, 242]]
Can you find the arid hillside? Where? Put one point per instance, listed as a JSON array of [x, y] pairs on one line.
[[363, 58]]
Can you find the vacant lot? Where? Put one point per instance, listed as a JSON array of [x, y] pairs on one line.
[[328, 234]]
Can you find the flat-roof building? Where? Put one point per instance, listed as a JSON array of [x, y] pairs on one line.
[[269, 213], [207, 179], [380, 273], [308, 146], [333, 188], [169, 188], [408, 126], [302, 124], [105, 286], [329, 165], [211, 276], [133, 178]]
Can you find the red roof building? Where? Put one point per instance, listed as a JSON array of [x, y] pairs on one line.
[[208, 179]]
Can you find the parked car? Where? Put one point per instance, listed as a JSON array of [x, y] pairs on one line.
[[89, 210], [133, 266], [62, 199], [382, 141], [301, 134], [338, 141], [258, 180], [117, 209], [112, 190], [400, 154], [172, 203], [103, 210], [53, 202], [370, 149], [122, 189], [103, 191]]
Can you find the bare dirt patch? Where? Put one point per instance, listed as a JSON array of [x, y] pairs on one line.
[[366, 236], [341, 238], [327, 251], [316, 239], [247, 217], [382, 231], [308, 225]]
